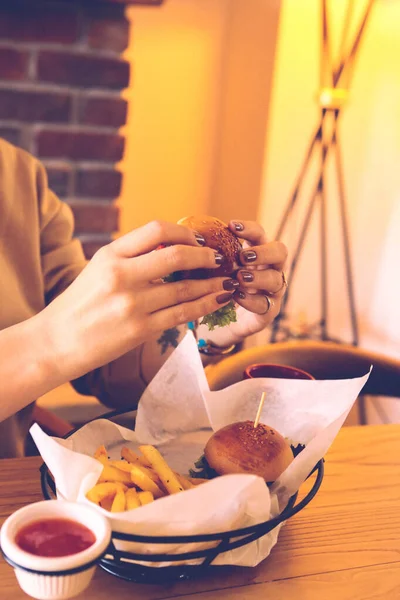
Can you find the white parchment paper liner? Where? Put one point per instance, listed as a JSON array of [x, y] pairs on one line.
[[177, 413]]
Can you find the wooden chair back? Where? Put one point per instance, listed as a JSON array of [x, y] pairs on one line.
[[323, 360]]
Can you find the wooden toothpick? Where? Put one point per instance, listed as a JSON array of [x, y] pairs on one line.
[[259, 410]]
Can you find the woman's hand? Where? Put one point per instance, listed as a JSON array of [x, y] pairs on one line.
[[119, 300], [262, 284]]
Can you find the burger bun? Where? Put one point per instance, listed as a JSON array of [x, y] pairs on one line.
[[242, 448], [220, 238]]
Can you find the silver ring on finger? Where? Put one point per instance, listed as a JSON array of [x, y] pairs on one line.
[[270, 304]]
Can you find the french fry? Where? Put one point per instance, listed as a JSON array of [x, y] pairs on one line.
[[123, 465], [119, 502], [101, 490], [101, 455], [132, 499], [101, 451], [106, 503], [184, 481], [149, 472], [110, 473], [136, 480], [133, 457], [144, 482], [163, 470], [145, 498]]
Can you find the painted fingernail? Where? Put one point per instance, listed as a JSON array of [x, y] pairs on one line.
[[219, 259], [230, 284], [238, 226], [241, 294], [247, 276], [249, 256], [199, 238], [223, 298]]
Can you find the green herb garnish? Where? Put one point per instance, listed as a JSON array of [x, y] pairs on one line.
[[221, 317], [202, 470]]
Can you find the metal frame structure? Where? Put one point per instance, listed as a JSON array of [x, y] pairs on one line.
[[335, 82]]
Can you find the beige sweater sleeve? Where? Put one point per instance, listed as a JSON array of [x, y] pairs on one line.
[[119, 383]]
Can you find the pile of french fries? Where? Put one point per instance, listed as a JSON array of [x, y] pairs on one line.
[[136, 479]]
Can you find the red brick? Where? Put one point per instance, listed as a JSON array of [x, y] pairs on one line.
[[91, 248], [79, 145], [83, 70], [108, 33], [28, 21], [95, 218], [98, 183], [103, 111], [13, 64], [11, 134], [34, 106], [59, 180]]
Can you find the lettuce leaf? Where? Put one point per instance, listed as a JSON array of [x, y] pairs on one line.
[[202, 470], [221, 317]]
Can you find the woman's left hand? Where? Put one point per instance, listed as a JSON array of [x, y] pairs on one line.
[[262, 283]]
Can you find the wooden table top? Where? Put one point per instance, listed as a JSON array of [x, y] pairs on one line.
[[345, 545]]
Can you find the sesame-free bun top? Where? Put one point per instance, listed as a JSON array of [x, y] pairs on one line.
[[243, 448], [219, 237]]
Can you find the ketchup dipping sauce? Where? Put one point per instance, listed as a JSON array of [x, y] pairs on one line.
[[54, 547], [54, 537]]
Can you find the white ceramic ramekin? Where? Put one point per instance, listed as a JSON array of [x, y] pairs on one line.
[[48, 578]]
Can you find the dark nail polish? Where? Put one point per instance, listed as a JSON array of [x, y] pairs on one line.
[[241, 295], [238, 226], [199, 239], [219, 259], [247, 276], [249, 256], [223, 298], [230, 284]]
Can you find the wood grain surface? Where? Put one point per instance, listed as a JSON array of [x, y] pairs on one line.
[[344, 545]]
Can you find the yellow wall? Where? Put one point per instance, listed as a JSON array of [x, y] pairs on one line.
[[246, 90], [198, 105], [370, 133], [176, 52]]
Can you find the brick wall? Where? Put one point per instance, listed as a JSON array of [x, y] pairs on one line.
[[61, 76]]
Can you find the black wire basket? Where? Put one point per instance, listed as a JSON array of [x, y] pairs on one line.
[[132, 566]]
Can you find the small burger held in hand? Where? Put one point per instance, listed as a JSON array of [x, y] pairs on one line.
[[242, 448], [221, 239]]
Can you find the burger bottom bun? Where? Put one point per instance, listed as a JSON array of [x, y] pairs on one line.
[[241, 448]]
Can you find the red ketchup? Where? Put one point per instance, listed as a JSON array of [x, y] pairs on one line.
[[54, 537]]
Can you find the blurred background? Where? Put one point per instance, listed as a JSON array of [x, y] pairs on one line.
[[151, 109]]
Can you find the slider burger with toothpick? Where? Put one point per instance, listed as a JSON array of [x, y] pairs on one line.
[[245, 447]]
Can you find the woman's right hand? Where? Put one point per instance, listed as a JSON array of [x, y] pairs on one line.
[[119, 300]]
